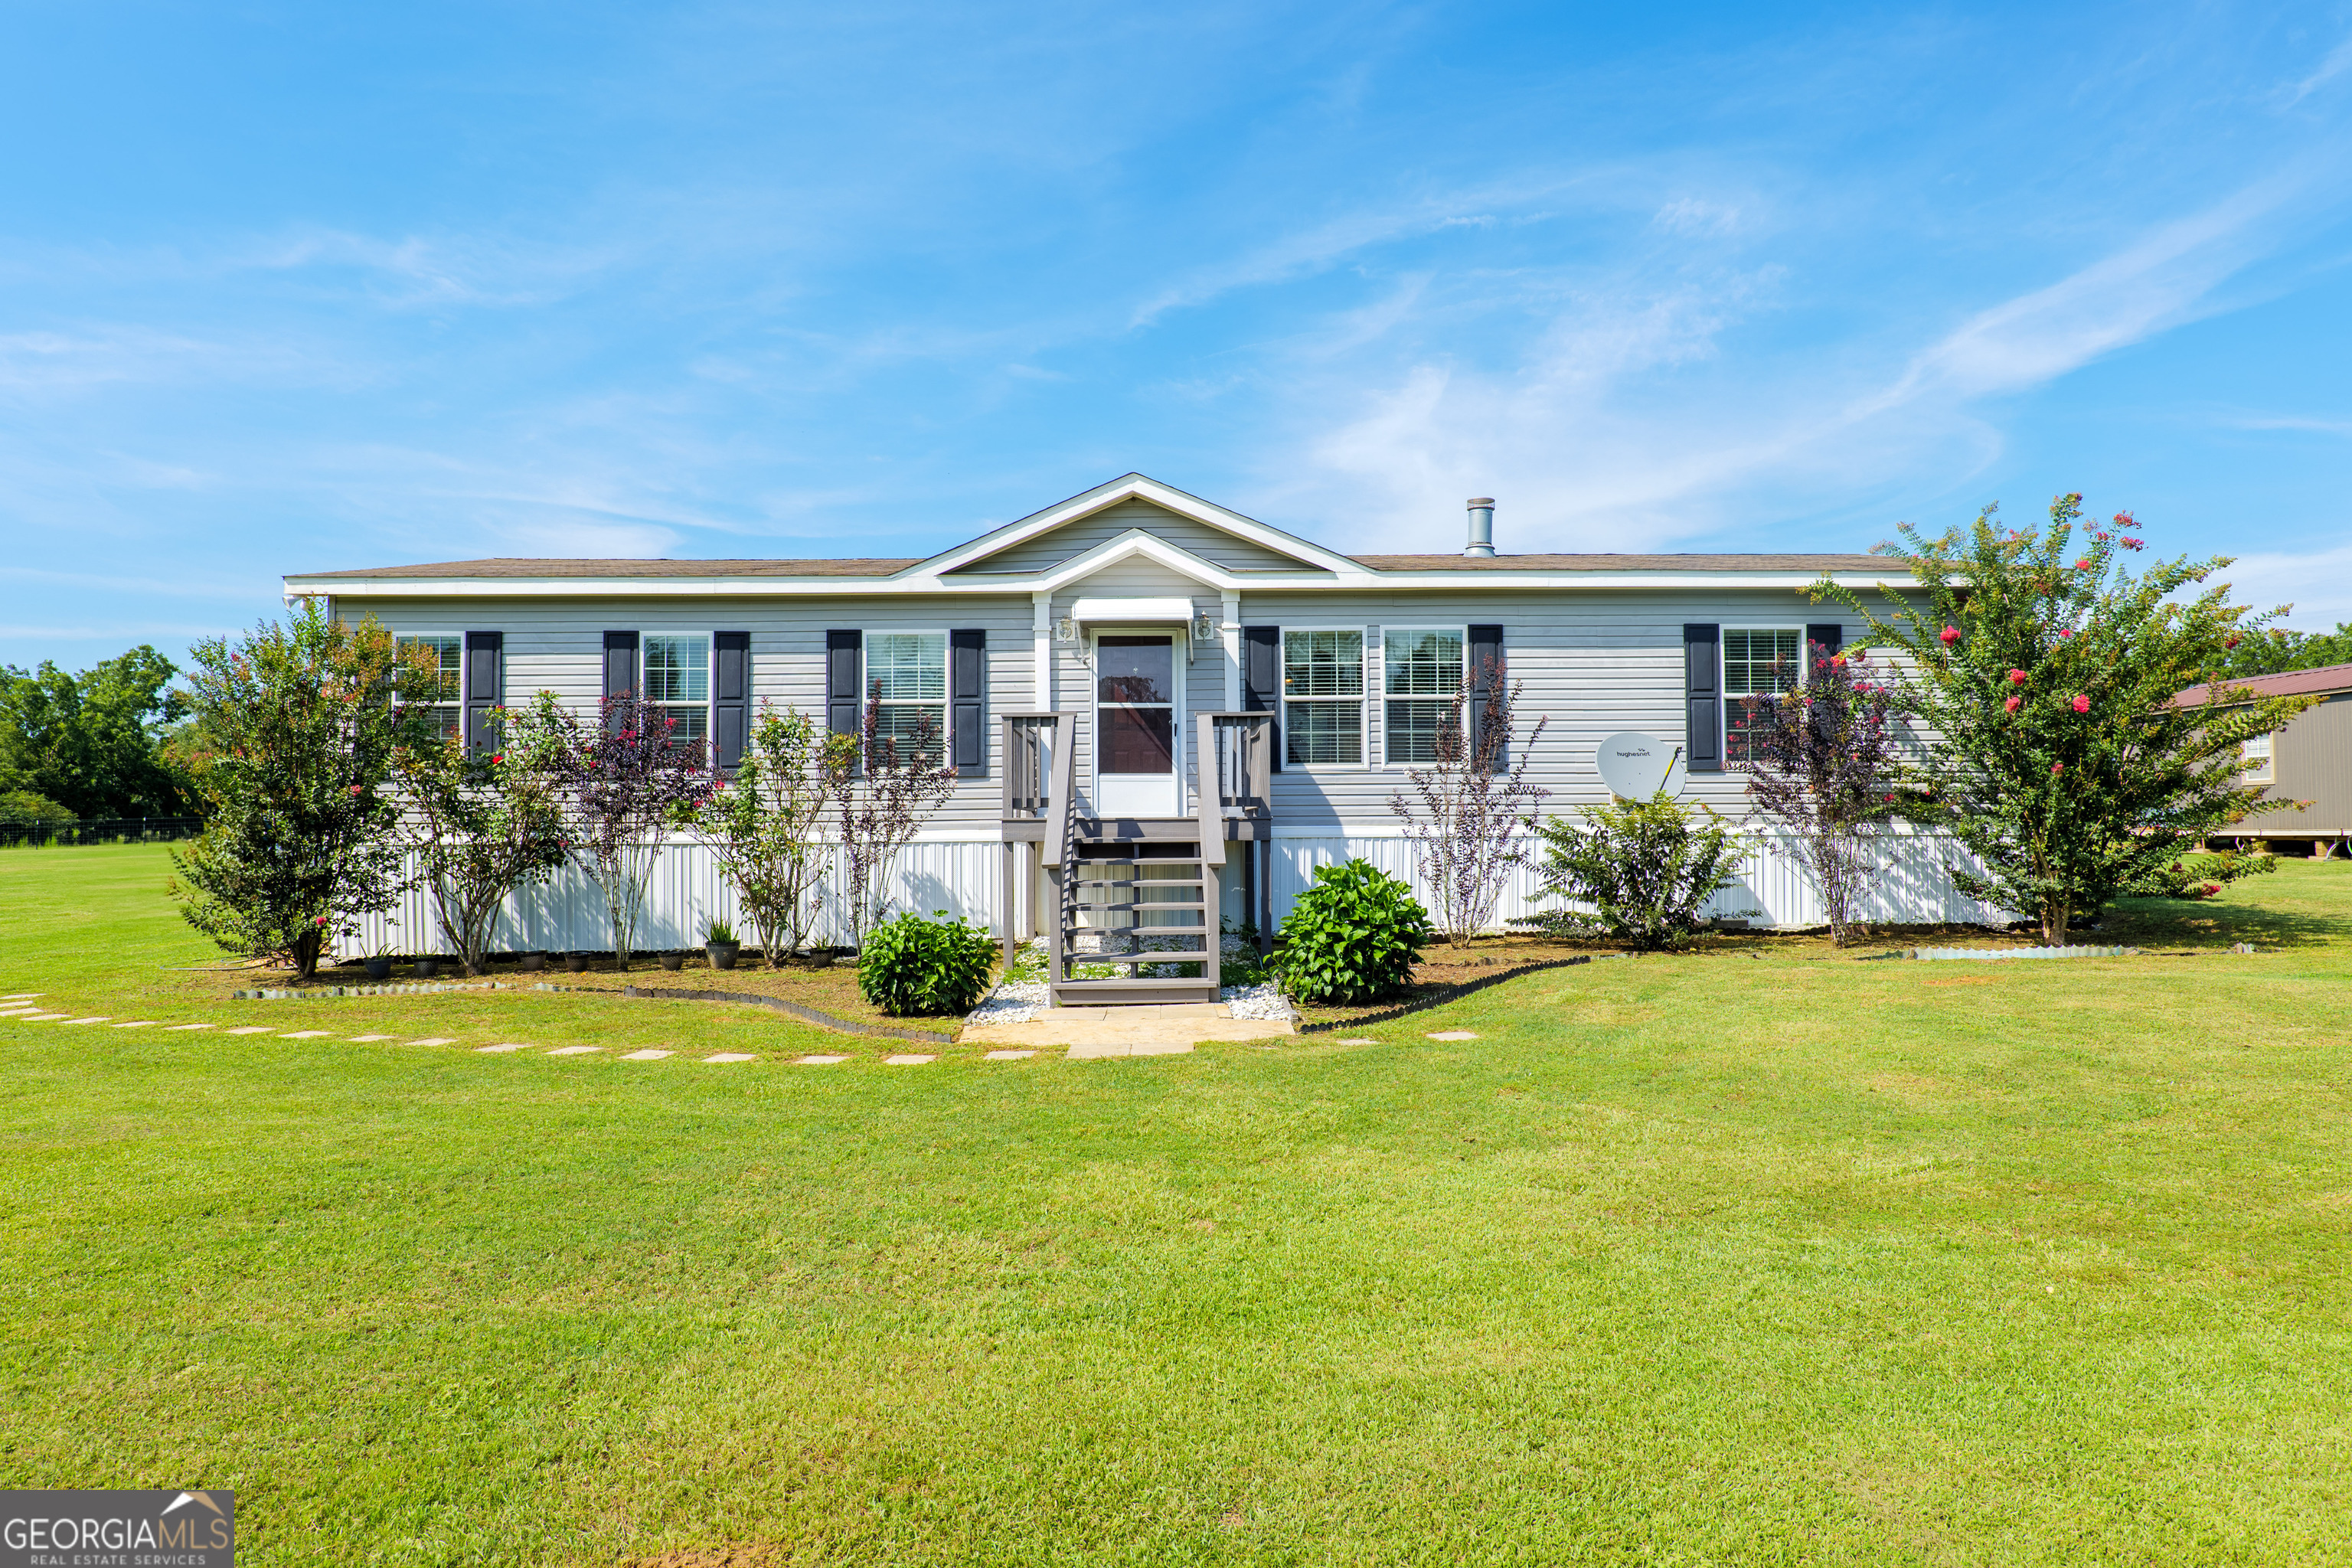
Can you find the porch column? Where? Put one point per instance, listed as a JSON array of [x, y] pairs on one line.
[[1041, 632], [1232, 631]]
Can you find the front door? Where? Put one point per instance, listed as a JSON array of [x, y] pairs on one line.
[[1136, 703]]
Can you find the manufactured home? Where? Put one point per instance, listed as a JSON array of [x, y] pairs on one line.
[[1136, 685], [2306, 768]]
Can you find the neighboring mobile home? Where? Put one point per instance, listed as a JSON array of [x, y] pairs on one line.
[[1139, 625], [2308, 763]]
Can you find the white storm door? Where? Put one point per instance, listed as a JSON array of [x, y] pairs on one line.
[[1139, 694]]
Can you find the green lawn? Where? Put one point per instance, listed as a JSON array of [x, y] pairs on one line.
[[1762, 1256]]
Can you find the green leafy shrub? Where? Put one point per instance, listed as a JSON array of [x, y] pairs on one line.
[[926, 968], [719, 933], [1353, 936], [1643, 867], [2201, 875], [34, 810]]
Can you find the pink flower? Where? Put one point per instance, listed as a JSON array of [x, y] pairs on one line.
[[2057, 768], [1950, 635], [2017, 677], [1890, 797], [2010, 705], [2084, 564], [2081, 703], [2124, 520], [355, 792], [2064, 633]]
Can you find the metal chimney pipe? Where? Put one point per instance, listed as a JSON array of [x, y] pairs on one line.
[[1482, 526]]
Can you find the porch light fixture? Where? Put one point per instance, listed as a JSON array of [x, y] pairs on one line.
[[1204, 627]]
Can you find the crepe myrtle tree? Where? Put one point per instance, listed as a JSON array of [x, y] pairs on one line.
[[483, 822], [2048, 677], [764, 823], [1824, 766], [1471, 806], [299, 725], [621, 783]]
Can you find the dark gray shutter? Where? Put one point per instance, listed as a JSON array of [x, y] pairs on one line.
[[1484, 674], [1702, 693], [620, 665], [1262, 678], [1829, 635], [486, 685], [845, 708], [968, 709], [730, 698]]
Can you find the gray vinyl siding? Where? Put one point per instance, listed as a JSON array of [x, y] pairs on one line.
[[1052, 548], [1593, 662], [557, 645], [2311, 759]]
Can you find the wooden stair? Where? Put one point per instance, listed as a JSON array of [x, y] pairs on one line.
[[1108, 883]]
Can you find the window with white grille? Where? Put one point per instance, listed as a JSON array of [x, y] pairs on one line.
[[907, 678], [1323, 696], [1759, 664]]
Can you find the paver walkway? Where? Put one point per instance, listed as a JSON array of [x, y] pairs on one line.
[[1169, 1029], [1088, 1034]]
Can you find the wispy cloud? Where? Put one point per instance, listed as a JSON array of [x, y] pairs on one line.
[[2318, 583], [1602, 439]]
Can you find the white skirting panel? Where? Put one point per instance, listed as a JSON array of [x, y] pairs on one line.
[[962, 877], [1772, 886], [686, 893]]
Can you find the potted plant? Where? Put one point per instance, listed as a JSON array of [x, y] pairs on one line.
[[532, 963], [720, 944], [427, 967], [378, 964], [576, 962], [672, 961]]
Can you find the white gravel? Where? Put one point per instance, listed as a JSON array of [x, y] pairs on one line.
[[1264, 1001], [1017, 1001]]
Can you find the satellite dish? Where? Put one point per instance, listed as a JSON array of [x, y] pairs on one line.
[[1636, 766]]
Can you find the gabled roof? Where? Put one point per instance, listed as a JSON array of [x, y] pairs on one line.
[[1305, 551], [2327, 677]]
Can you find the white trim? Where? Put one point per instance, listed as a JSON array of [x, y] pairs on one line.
[[464, 672], [1016, 584], [1389, 763], [1363, 762], [1179, 657], [1094, 612], [865, 636], [1138, 488], [1041, 637], [1724, 695], [1229, 630], [709, 674]]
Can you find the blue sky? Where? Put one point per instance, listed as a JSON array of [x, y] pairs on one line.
[[293, 288]]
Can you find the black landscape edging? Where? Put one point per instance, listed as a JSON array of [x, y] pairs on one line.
[[806, 1015], [1453, 993]]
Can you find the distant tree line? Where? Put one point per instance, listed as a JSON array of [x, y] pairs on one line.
[[2278, 650], [106, 741]]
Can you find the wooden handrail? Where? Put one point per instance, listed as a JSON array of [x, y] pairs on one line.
[[1061, 808], [1208, 799]]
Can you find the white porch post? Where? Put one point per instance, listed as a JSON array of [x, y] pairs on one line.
[[1233, 637], [1042, 630]]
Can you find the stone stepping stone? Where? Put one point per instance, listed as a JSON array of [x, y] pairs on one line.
[[1359, 1042], [304, 1034], [96, 1020], [433, 1042], [178, 1028], [20, 1012], [647, 1055], [731, 1057], [1008, 1056], [139, 1024], [252, 1029], [820, 1061], [910, 1060], [22, 996], [1451, 1035], [371, 1037], [42, 1017], [574, 1050], [496, 1050]]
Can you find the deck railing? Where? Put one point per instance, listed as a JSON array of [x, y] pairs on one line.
[[1032, 742]]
